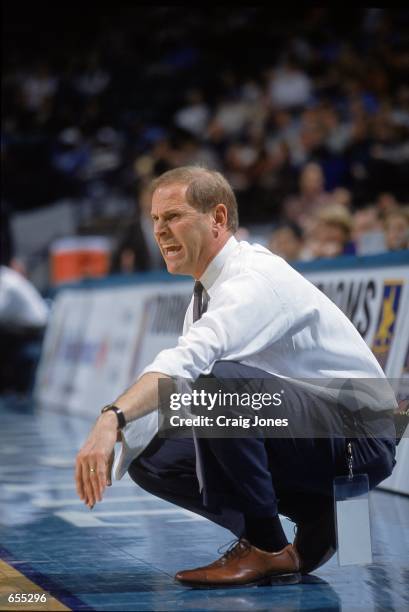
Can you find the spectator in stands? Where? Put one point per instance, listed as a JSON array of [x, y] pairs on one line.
[[365, 220], [6, 236], [385, 203], [69, 158], [38, 87], [396, 226], [310, 144], [290, 87], [311, 197], [230, 118], [195, 115], [191, 151], [104, 159], [343, 196], [92, 79], [23, 317], [331, 234], [137, 250], [388, 166], [287, 241], [367, 231], [284, 129]]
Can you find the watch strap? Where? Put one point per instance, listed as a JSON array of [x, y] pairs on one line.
[[119, 414]]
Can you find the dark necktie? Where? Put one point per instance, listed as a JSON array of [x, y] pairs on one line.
[[197, 301], [197, 313]]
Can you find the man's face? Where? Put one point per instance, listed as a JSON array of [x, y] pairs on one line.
[[397, 233], [286, 244], [184, 234]]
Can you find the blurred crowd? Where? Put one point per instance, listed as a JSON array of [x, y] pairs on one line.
[[317, 223], [306, 114]]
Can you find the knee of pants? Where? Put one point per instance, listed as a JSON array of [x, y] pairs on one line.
[[141, 476], [378, 475], [377, 460]]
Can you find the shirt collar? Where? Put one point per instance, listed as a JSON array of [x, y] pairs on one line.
[[216, 265]]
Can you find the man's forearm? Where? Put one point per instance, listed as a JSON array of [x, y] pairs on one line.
[[141, 398]]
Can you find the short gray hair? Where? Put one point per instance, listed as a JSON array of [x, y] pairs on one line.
[[206, 188]]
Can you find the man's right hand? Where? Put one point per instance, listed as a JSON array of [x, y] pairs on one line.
[[94, 461]]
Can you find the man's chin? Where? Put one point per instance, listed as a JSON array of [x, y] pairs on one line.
[[173, 268]]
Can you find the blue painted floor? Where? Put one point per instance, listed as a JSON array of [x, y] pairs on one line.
[[123, 554]]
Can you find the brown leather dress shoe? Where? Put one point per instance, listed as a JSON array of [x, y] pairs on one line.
[[245, 565]]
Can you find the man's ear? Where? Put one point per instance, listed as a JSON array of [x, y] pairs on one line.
[[220, 215]]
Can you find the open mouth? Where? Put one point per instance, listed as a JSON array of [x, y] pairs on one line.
[[171, 250]]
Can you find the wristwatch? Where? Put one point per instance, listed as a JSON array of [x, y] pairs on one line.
[[119, 414]]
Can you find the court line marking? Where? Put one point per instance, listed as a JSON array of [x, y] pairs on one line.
[[151, 512], [93, 519], [72, 501], [58, 486]]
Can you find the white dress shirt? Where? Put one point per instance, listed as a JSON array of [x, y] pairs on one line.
[[264, 314]]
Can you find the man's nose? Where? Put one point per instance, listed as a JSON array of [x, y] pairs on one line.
[[160, 228]]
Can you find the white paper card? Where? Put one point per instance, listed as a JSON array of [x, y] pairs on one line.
[[353, 531]]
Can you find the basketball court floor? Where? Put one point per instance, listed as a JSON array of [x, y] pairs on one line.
[[123, 554]]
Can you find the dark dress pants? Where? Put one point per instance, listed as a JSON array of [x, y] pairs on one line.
[[257, 476]]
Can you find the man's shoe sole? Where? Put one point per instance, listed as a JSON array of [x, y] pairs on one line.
[[274, 580]]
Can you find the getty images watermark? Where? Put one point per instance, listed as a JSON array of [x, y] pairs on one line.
[[277, 407], [208, 401]]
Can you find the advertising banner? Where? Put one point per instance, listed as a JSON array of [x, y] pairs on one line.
[[375, 300], [99, 340]]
